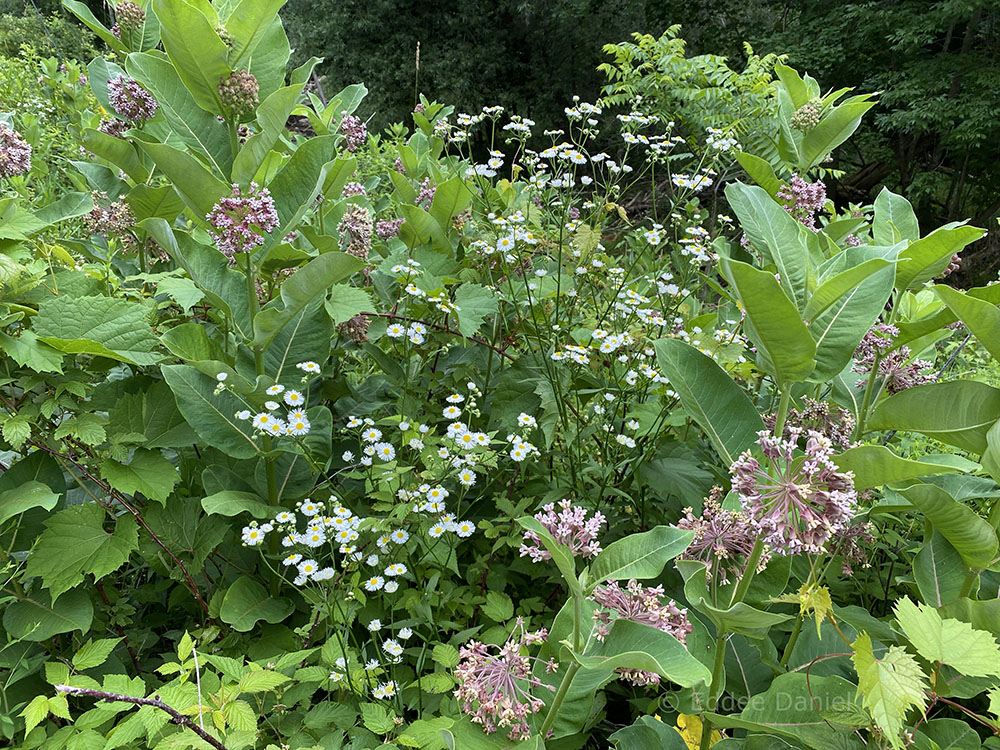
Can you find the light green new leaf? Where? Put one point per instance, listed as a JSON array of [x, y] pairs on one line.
[[247, 24], [118, 151], [894, 219], [261, 681], [761, 171], [832, 130], [957, 412], [639, 556], [971, 536], [980, 317], [102, 326], [972, 652], [785, 348], [196, 185], [631, 645], [75, 544], [272, 114], [148, 473], [299, 181], [475, 302], [28, 351], [889, 687], [876, 465], [25, 497], [835, 287], [346, 301], [195, 49], [81, 11], [450, 199], [247, 602], [712, 399], [94, 653]]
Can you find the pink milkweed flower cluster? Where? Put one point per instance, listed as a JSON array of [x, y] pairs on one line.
[[569, 526], [354, 131], [723, 539], [353, 188], [386, 228], [495, 682], [426, 195], [803, 199], [894, 365], [802, 501], [242, 220], [834, 422], [128, 16], [15, 152], [644, 605], [131, 100]]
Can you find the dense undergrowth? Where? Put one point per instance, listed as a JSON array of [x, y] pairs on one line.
[[321, 438]]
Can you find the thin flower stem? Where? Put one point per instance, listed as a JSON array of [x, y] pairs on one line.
[[786, 654], [751, 568], [715, 689], [567, 680], [779, 422]]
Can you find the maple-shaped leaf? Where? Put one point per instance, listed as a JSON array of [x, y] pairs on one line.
[[889, 687], [811, 599], [972, 652]]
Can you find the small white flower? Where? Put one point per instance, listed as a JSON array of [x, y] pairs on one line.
[[455, 398], [451, 412], [399, 536], [271, 405], [309, 508], [285, 517], [310, 367], [294, 398], [465, 528], [526, 420], [291, 560], [395, 331], [466, 478], [221, 377], [391, 587], [396, 569], [374, 583], [404, 633], [243, 415], [374, 626], [392, 647], [307, 567], [274, 390], [385, 451]]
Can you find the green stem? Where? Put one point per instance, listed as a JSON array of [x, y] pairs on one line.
[[787, 653], [970, 581], [779, 421], [714, 689], [859, 428], [560, 695], [752, 562]]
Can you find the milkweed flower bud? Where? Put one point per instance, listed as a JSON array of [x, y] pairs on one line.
[[238, 92], [355, 230], [806, 117], [128, 16], [15, 152], [131, 100], [354, 130]]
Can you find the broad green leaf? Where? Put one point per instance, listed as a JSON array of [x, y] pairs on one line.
[[835, 287], [639, 556], [29, 495], [272, 114], [211, 415], [889, 687], [712, 399], [70, 206], [152, 414], [181, 290], [94, 653], [875, 465], [927, 257], [34, 618], [631, 645], [761, 171], [310, 283], [972, 652], [247, 25], [247, 602], [939, 571], [958, 412], [81, 11], [792, 709], [118, 151], [894, 219], [777, 234], [785, 349], [498, 607], [148, 473], [839, 329], [420, 228], [196, 185], [148, 202], [980, 317], [971, 536], [102, 326], [196, 128], [299, 181], [75, 543], [28, 351], [446, 655], [475, 302], [835, 128], [740, 618], [232, 503], [195, 49], [377, 718], [450, 199], [269, 62]]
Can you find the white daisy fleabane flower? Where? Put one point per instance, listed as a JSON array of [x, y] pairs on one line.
[[275, 390], [391, 587], [294, 398], [309, 367]]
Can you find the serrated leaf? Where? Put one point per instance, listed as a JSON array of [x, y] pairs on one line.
[[148, 472], [972, 652], [35, 712], [94, 653], [75, 544], [889, 687], [16, 430], [446, 655], [377, 718], [498, 607], [240, 716], [475, 302], [101, 326], [811, 599], [261, 681]]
